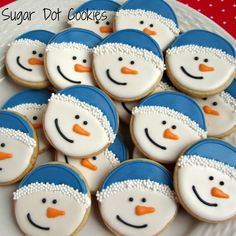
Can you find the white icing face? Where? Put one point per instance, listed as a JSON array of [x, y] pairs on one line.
[[161, 137], [25, 61], [15, 158], [74, 127], [138, 212], [47, 213], [102, 28], [67, 67], [207, 193], [125, 76]]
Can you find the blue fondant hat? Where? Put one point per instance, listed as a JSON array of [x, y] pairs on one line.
[[232, 89], [55, 174], [43, 36], [165, 79], [75, 35]]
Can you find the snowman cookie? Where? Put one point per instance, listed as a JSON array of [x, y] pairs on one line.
[[164, 124], [96, 168], [52, 200], [31, 104], [205, 176], [220, 112], [18, 147], [68, 58], [201, 63], [156, 18], [101, 14], [128, 65], [24, 59], [137, 198], [80, 121]]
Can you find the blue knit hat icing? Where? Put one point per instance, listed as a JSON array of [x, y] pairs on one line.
[[75, 35], [232, 89], [13, 121], [55, 174], [178, 102], [43, 36]]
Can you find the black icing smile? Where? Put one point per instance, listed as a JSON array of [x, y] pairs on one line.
[[201, 200], [20, 65], [60, 132], [112, 80], [131, 225], [189, 75], [65, 77], [36, 225], [126, 108], [152, 141]]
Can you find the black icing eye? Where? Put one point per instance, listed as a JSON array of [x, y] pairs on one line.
[[97, 22], [120, 59], [196, 58], [131, 199], [77, 117], [151, 25], [211, 178], [84, 61], [3, 145], [144, 199], [132, 62], [44, 200], [206, 60], [204, 99], [163, 122], [54, 201], [74, 58], [107, 23], [214, 103], [141, 22], [35, 117], [94, 158], [222, 183], [85, 122], [34, 52], [173, 127], [40, 55]]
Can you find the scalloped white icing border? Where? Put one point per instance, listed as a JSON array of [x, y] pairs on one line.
[[35, 43], [228, 99], [27, 107], [112, 158], [70, 45]]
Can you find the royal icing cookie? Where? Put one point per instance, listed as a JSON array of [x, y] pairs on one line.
[[31, 104], [18, 147], [156, 18], [205, 176], [96, 168], [68, 58], [201, 63], [128, 65], [101, 14], [137, 198], [220, 112], [80, 121], [164, 124], [52, 200], [24, 59]]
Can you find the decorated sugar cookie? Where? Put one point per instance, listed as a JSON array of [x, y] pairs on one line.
[[201, 63], [156, 18], [68, 58], [164, 124], [80, 121], [205, 176], [220, 112], [96, 168], [52, 200], [24, 59], [128, 65], [101, 14], [137, 198], [31, 104], [18, 147]]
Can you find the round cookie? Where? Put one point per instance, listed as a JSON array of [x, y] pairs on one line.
[[80, 121], [220, 112], [96, 168], [156, 19], [137, 198], [52, 200], [101, 14], [31, 104], [68, 58], [18, 147], [128, 65], [164, 124], [201, 63], [205, 176], [24, 59]]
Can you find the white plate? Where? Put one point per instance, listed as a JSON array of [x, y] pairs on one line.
[[188, 19]]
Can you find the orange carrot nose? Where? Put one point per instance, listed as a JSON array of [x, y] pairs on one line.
[[149, 32], [143, 210], [86, 163], [205, 68], [35, 61], [81, 68], [216, 192], [128, 71], [170, 135], [38, 125], [5, 155], [53, 212], [79, 130], [210, 111], [106, 29]]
